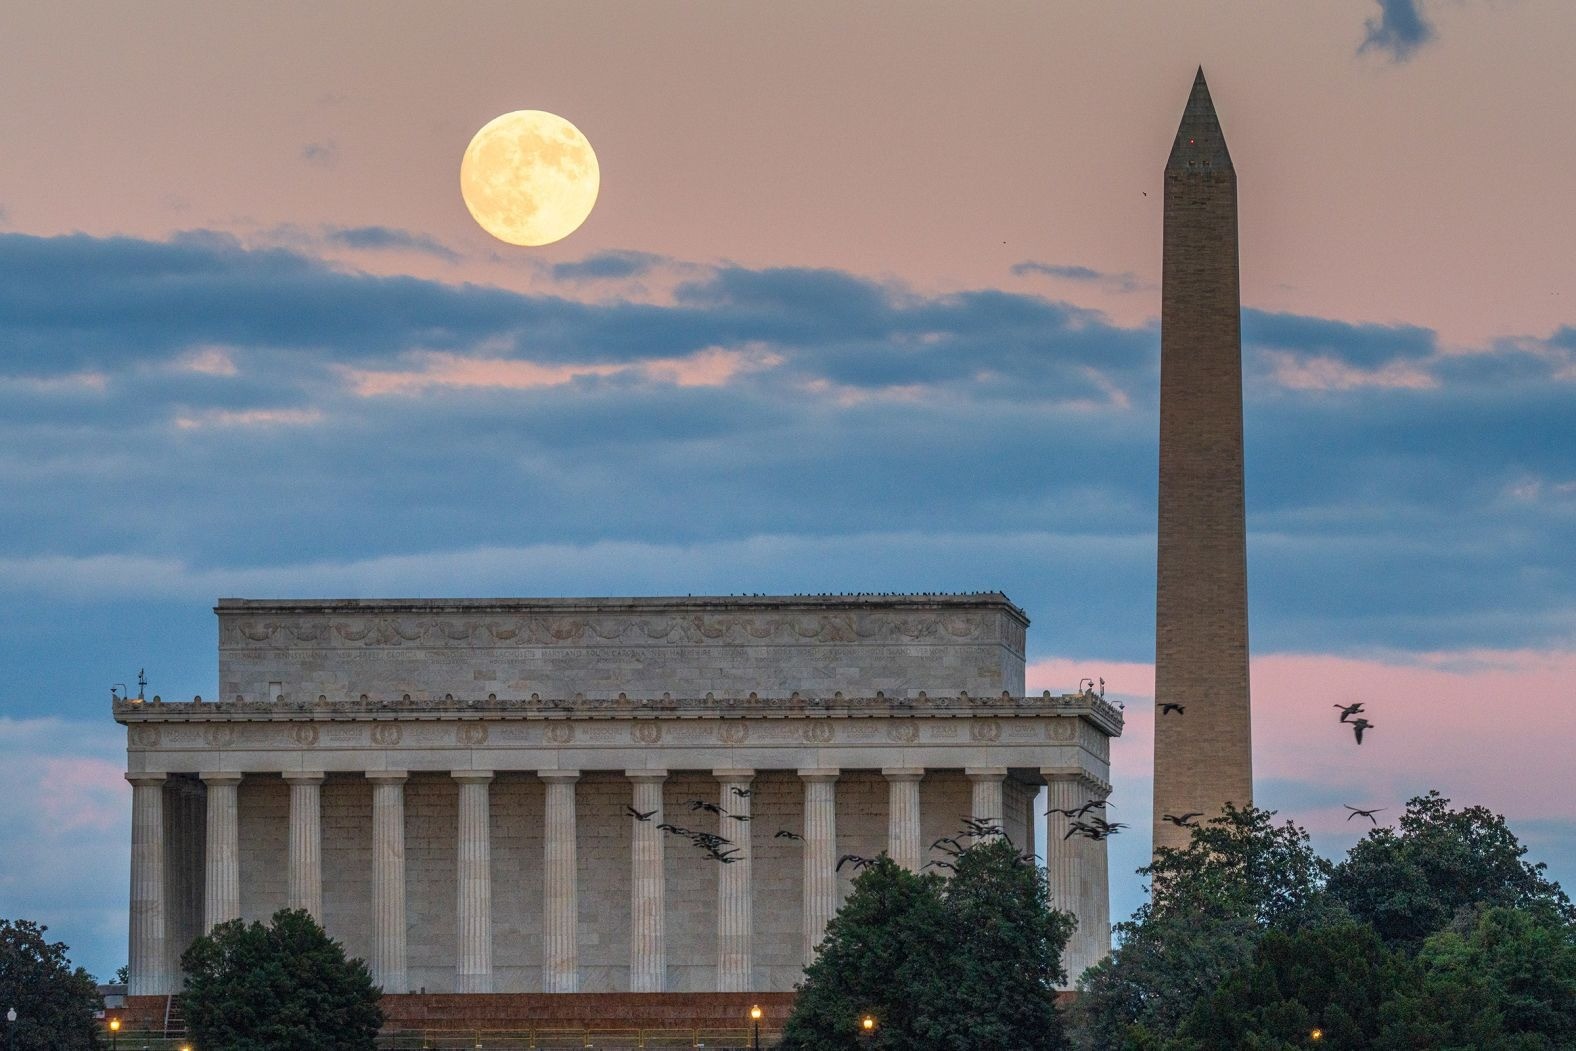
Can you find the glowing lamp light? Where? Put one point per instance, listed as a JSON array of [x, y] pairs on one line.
[[867, 1023], [114, 1025], [755, 1014], [1316, 1035]]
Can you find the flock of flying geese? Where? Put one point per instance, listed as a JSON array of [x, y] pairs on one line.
[[719, 848], [1081, 820], [1351, 715]]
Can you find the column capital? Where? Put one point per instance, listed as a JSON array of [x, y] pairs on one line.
[[1077, 775], [304, 777], [903, 773], [472, 777], [734, 773], [819, 774], [220, 777], [387, 777], [646, 775], [559, 777], [147, 780], [985, 773]]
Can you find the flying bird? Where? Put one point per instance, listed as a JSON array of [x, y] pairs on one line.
[[1359, 725], [1168, 707], [1348, 710], [743, 793], [858, 862], [638, 816], [980, 827], [1183, 820], [1369, 814], [740, 817], [710, 808], [939, 865], [783, 833]]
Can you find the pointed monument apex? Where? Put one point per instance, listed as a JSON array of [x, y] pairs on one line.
[[1204, 741], [1200, 144]]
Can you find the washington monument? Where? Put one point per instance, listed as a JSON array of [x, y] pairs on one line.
[[1203, 740]]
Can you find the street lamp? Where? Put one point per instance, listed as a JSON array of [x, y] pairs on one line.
[[10, 1028], [867, 1025], [1317, 1035], [114, 1033], [755, 1017]]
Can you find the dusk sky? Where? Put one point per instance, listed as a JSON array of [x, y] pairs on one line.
[[868, 302]]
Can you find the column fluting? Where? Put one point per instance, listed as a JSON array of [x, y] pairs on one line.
[[647, 887], [985, 795], [473, 970], [903, 828], [146, 959], [1075, 868], [560, 885], [735, 947], [820, 856], [304, 872], [388, 880], [222, 864]]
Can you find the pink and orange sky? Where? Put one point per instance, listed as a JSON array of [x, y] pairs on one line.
[[868, 302]]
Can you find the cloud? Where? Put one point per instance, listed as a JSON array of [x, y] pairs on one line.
[[323, 154], [235, 408], [385, 238], [1399, 30], [1449, 720], [65, 826], [607, 266], [1123, 282]]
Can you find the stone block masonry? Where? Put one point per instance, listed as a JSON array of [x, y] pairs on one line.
[[474, 845], [1203, 755]]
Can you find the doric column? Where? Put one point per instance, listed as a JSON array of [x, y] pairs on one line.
[[388, 880], [903, 844], [560, 894], [146, 961], [734, 923], [1076, 868], [648, 962], [820, 855], [304, 876], [985, 803], [222, 865], [473, 972]]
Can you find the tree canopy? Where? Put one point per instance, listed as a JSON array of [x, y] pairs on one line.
[[1411, 881], [970, 962], [276, 987], [1433, 934], [55, 1003]]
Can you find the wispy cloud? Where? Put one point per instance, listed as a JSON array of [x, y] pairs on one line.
[[323, 154], [1399, 30], [1123, 282], [388, 239]]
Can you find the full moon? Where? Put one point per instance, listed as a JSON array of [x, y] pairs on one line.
[[529, 177]]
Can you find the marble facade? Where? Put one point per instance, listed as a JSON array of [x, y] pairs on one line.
[[445, 784]]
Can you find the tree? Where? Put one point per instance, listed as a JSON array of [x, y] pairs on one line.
[[878, 957], [1239, 876], [1505, 982], [966, 963], [55, 1003], [283, 986], [1004, 964], [1331, 978], [1411, 882]]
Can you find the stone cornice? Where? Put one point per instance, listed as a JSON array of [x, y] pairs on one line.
[[1103, 715]]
